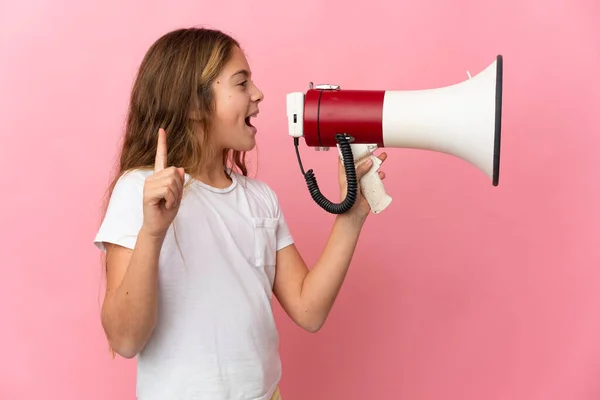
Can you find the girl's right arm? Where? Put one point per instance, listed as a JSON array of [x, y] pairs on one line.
[[131, 302]]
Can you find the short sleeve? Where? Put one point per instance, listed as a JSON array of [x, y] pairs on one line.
[[284, 236], [124, 214]]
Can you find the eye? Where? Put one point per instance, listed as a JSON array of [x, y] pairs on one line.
[[243, 83]]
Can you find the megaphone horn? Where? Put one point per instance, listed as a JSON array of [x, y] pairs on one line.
[[462, 120]]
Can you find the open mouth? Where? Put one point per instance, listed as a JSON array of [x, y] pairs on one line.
[[248, 122]]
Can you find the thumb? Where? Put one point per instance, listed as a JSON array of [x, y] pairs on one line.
[[181, 173], [363, 168]]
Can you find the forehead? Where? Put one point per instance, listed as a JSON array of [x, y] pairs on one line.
[[237, 64]]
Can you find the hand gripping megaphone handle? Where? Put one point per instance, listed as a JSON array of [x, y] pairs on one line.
[[371, 185]]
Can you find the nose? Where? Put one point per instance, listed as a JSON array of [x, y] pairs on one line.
[[257, 95]]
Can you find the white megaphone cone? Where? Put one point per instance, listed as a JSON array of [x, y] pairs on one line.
[[462, 120]]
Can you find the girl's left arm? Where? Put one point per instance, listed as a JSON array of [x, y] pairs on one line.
[[307, 296]]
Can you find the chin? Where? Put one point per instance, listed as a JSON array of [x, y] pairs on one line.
[[249, 147], [244, 140], [248, 142], [246, 145]]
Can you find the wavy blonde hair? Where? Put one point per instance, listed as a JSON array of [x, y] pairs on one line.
[[174, 83]]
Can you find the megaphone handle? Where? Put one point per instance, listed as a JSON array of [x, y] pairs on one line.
[[372, 188]]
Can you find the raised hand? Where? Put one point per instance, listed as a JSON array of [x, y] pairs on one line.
[[163, 192]]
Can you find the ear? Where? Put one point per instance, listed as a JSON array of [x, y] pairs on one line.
[[195, 112], [196, 115]]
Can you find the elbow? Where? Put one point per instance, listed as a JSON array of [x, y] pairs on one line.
[[313, 328], [310, 319], [125, 343], [312, 325], [127, 353], [125, 348]]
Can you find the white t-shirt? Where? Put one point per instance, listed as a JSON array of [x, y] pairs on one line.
[[215, 338]]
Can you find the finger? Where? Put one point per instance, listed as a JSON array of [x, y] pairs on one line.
[[160, 162], [177, 184], [178, 179], [382, 156], [170, 198], [381, 175], [363, 168], [181, 173], [166, 177], [172, 181], [160, 192]]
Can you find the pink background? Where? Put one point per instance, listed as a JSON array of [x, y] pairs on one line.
[[458, 291]]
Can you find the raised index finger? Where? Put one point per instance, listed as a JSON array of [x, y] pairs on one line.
[[160, 162]]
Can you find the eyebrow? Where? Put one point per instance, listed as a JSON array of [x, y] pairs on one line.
[[244, 72]]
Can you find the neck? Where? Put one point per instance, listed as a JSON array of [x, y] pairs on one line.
[[213, 174]]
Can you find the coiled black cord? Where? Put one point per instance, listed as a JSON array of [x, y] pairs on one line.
[[348, 161]]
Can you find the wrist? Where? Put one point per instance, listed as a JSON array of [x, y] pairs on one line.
[[150, 235], [351, 220]]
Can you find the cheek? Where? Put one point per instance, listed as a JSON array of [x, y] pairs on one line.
[[231, 110]]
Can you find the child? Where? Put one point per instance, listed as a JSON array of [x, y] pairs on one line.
[[194, 249]]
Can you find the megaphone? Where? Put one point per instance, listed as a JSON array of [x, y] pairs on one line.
[[462, 120]]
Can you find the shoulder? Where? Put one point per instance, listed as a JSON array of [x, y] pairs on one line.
[[131, 181], [259, 190], [256, 185], [127, 187], [134, 176], [124, 212]]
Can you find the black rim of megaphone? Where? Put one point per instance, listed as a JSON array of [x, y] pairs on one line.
[[498, 122]]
